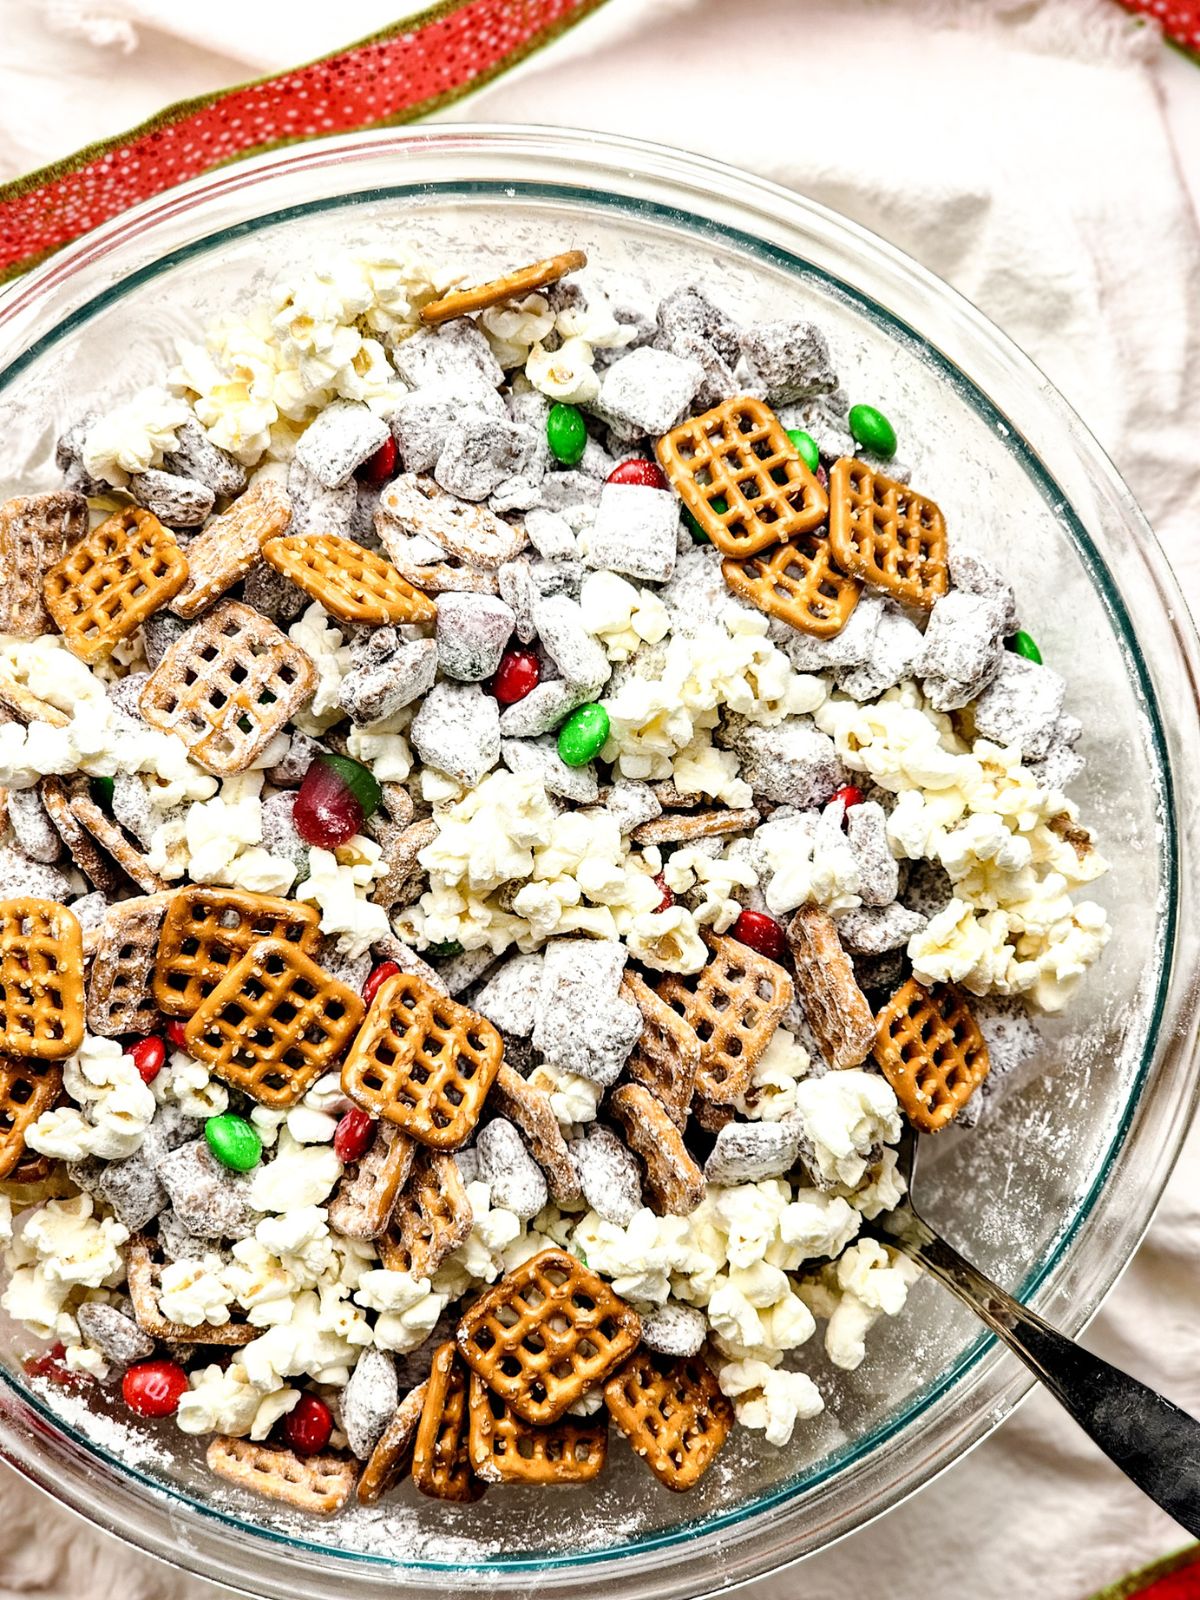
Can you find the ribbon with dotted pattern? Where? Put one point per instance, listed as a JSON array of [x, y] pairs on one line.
[[1178, 19], [414, 67]]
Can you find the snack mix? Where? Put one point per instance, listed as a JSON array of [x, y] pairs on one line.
[[511, 800]]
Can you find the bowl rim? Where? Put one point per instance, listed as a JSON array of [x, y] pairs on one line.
[[702, 176]]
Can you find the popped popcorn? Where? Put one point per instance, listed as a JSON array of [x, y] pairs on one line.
[[770, 1399], [115, 1105], [134, 436]]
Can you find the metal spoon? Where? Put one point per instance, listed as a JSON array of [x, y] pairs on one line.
[[1152, 1441]]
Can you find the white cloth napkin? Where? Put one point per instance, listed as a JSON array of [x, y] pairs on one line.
[[1017, 148]]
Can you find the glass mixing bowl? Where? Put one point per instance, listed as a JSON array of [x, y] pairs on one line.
[[1052, 1195]]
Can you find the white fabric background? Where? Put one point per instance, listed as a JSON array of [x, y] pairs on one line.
[[1023, 150]]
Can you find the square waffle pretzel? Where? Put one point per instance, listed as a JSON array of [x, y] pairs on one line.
[[35, 531], [230, 545], [666, 1056], [512, 286], [529, 1109], [353, 584], [321, 1484], [274, 1023], [227, 686], [503, 1448], [835, 1007], [674, 1181], [797, 583], [424, 1062], [739, 454], [672, 1413], [734, 1010], [41, 980], [886, 534], [119, 993], [390, 1458], [368, 1189], [143, 1268], [431, 1218], [547, 1333], [27, 1088], [440, 1464], [109, 583], [929, 1048], [207, 930]]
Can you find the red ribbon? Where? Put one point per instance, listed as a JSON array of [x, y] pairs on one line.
[[405, 72], [1179, 19]]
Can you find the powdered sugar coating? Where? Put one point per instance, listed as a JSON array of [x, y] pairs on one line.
[[608, 1175]]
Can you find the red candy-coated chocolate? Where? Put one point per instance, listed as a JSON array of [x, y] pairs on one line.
[[648, 474], [148, 1057], [354, 1133], [382, 465], [668, 899], [761, 933], [154, 1388], [849, 794], [519, 672], [326, 812], [176, 1035], [376, 979], [308, 1425]]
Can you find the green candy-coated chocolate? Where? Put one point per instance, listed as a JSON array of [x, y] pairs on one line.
[[699, 536], [1022, 644], [233, 1141], [102, 792], [806, 448], [873, 430], [566, 434], [582, 735], [358, 779], [444, 950]]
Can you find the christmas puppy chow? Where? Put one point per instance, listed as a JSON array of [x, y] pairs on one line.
[[507, 814]]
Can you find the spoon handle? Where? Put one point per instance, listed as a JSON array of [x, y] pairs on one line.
[[1152, 1441]]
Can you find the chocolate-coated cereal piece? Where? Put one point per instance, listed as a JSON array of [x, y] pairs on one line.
[[115, 1335], [516, 1181], [339, 439], [177, 501], [369, 1401], [608, 1175], [457, 729]]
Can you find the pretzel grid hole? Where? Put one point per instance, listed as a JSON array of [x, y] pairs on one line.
[[532, 1298], [30, 975], [754, 481], [797, 573], [553, 1447], [208, 923], [92, 573], [912, 517], [254, 989], [20, 1092]]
